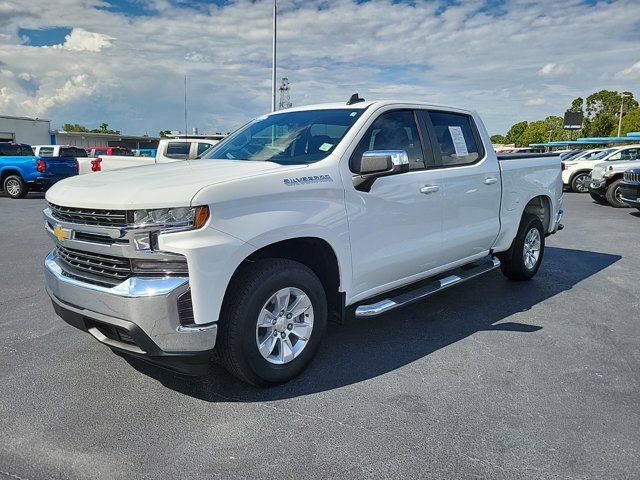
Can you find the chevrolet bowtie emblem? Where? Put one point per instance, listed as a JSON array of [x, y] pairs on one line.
[[61, 233]]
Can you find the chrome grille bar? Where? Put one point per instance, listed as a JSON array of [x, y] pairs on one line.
[[108, 218]]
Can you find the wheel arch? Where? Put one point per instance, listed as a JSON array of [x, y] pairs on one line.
[[541, 207], [315, 253], [7, 172]]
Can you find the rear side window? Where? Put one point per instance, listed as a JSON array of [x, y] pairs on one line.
[[72, 152], [395, 130], [178, 149], [15, 150], [26, 151], [456, 138], [100, 151], [46, 151]]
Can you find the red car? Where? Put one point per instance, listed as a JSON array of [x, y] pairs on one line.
[[96, 151]]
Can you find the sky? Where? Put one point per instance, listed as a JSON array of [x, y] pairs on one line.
[[124, 61]]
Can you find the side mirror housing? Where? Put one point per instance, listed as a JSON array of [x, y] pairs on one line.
[[377, 163]]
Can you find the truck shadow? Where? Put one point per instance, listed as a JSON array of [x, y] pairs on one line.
[[366, 348]]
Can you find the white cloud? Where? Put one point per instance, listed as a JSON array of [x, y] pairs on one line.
[[80, 40], [554, 70], [630, 73], [328, 50]]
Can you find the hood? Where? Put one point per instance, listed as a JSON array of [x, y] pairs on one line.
[[153, 186], [620, 165]]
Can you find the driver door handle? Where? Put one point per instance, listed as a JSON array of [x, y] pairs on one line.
[[490, 180], [429, 189]]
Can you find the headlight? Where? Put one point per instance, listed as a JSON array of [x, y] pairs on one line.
[[187, 217]]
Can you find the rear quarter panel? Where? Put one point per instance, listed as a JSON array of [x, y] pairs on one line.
[[522, 180], [25, 166]]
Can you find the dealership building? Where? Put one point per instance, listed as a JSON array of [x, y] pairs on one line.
[[37, 131]]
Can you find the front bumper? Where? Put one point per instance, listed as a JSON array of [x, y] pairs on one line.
[[138, 316], [630, 194], [598, 187]]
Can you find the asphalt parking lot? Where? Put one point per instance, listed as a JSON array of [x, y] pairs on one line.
[[493, 379]]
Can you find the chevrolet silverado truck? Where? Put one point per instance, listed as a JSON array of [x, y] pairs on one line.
[[606, 176], [21, 171], [304, 215], [169, 150]]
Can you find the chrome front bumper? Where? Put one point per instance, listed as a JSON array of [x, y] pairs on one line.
[[143, 308]]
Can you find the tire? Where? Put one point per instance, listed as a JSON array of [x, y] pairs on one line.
[[15, 187], [513, 263], [613, 195], [580, 182], [598, 198], [249, 296]]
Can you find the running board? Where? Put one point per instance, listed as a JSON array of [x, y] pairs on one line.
[[455, 277]]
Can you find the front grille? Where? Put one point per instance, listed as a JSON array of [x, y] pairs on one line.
[[103, 266], [89, 216], [631, 177]]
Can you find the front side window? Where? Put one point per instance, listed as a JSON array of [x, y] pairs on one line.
[[455, 137], [288, 138], [203, 147], [396, 130], [73, 152]]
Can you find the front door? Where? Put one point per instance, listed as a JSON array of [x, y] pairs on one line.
[[395, 228]]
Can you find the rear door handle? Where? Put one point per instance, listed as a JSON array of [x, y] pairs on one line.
[[430, 189], [490, 180]]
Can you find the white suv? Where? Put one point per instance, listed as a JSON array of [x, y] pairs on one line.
[[576, 171]]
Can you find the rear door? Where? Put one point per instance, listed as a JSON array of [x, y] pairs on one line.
[[395, 226], [471, 187]]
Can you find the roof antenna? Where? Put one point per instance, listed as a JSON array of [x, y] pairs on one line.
[[355, 98]]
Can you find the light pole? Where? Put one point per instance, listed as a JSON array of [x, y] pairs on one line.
[[273, 66], [622, 95]]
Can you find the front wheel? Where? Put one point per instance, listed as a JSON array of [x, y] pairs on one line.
[[613, 195], [273, 319], [523, 259], [580, 182], [15, 187]]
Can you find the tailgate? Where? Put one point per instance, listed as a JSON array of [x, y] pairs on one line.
[[60, 166]]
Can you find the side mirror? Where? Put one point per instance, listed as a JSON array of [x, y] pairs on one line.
[[378, 163]]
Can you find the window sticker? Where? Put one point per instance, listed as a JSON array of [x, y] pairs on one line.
[[325, 147], [458, 141], [353, 114]]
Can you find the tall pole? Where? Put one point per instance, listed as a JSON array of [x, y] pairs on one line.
[[273, 66], [622, 95]]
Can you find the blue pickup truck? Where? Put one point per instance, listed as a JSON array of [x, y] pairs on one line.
[[21, 171]]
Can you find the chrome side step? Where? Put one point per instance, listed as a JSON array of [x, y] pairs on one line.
[[454, 277]]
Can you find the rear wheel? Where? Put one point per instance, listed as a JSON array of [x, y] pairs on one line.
[[598, 198], [272, 322], [15, 187], [523, 259], [580, 182], [613, 195]]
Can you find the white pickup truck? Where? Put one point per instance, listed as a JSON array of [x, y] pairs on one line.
[[300, 216], [169, 150]]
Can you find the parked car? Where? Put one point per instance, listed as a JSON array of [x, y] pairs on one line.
[[630, 188], [169, 150], [21, 171], [298, 216], [576, 171], [606, 176], [70, 151], [101, 151]]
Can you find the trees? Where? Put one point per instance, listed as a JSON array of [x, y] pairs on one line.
[[630, 123], [76, 127], [515, 131], [501, 139], [164, 133]]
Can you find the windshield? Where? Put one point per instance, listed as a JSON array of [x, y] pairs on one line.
[[602, 154], [287, 138]]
